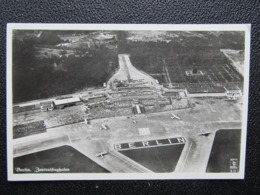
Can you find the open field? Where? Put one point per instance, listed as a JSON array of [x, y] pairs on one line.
[[158, 159], [28, 129], [225, 153], [55, 160]]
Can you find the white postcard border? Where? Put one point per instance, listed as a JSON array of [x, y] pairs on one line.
[[129, 176]]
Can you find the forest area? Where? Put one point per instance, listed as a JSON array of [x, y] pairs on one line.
[[36, 78]]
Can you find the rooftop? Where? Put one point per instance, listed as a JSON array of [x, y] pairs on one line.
[[66, 101], [215, 89]]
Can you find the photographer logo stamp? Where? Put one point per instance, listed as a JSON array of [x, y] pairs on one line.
[[233, 165]]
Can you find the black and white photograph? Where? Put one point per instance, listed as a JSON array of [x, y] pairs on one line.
[[106, 101]]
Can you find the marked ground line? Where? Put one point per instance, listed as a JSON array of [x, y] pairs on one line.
[[152, 146], [212, 108], [186, 157], [69, 138], [126, 162], [167, 74]]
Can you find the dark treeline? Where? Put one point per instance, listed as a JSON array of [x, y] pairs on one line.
[[45, 37], [35, 78]]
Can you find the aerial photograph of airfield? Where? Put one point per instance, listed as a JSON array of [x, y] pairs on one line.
[[127, 101]]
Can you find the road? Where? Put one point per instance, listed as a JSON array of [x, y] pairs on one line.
[[167, 75], [236, 57], [127, 71]]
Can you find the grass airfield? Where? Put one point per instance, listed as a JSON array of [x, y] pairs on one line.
[[90, 140]]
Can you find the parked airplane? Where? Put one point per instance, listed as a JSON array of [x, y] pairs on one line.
[[204, 133], [86, 121], [134, 122], [101, 154], [175, 116], [104, 127]]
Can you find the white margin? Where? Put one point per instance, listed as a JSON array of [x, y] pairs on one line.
[[127, 176]]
